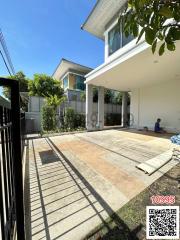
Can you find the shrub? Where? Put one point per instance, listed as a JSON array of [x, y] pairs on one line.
[[73, 120], [83, 96], [80, 120], [48, 121], [45, 86], [69, 118]]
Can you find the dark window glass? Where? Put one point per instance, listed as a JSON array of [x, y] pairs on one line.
[[79, 83], [126, 40], [114, 39]]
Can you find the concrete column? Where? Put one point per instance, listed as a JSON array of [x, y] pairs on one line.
[[89, 106], [101, 107], [124, 112]]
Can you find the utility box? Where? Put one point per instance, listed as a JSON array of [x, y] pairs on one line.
[[30, 125]]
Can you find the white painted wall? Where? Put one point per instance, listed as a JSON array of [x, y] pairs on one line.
[[35, 103], [158, 101]]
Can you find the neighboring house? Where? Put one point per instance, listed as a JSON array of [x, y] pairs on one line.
[[5, 102], [72, 77], [153, 81]]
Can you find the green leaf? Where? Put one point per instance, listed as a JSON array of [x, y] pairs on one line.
[[169, 37], [126, 34], [149, 35], [140, 34], [127, 24], [171, 46], [176, 15], [141, 3], [154, 21], [154, 46], [130, 2], [136, 4], [160, 36], [176, 33], [166, 12], [135, 30], [161, 49]]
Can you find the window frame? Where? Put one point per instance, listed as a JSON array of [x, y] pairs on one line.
[[76, 82], [122, 34], [115, 26], [66, 78]]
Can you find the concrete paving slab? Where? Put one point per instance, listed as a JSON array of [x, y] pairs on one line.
[[77, 181]]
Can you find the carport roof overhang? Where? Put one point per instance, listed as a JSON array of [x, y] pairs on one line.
[[137, 68]]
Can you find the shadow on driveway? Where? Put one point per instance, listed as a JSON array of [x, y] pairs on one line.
[[47, 197]]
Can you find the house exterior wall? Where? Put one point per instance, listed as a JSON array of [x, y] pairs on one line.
[[35, 103], [158, 101], [161, 99], [72, 81]]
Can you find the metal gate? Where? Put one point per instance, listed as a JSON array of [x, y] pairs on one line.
[[11, 150]]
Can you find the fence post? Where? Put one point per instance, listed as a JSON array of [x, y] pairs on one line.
[[17, 158]]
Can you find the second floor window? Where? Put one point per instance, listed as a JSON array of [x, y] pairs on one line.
[[117, 39], [65, 82], [79, 83], [114, 39]]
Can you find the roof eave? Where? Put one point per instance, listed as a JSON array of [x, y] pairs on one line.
[[63, 59], [96, 35], [82, 26], [94, 17]]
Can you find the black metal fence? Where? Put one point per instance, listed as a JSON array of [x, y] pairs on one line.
[[23, 131], [11, 150]]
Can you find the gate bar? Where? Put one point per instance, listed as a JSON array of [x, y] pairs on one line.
[[17, 157]]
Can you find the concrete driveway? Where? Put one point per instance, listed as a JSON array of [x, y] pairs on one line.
[[76, 181]]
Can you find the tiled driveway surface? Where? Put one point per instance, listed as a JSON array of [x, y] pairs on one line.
[[76, 181]]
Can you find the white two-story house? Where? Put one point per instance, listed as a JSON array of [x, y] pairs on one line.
[[72, 78], [152, 80]]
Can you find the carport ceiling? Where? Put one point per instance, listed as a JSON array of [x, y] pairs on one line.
[[143, 69]]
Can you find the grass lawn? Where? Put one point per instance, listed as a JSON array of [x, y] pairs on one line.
[[133, 214]]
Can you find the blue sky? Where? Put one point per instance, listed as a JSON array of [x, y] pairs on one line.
[[39, 33]]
